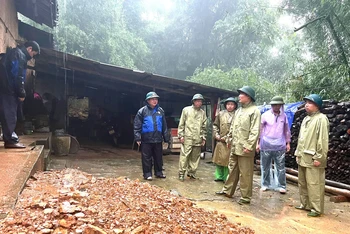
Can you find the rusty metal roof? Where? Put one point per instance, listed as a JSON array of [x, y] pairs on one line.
[[101, 74], [40, 11]]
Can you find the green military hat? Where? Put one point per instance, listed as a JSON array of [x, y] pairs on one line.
[[230, 99], [315, 98], [197, 96], [151, 95], [249, 91], [277, 100]]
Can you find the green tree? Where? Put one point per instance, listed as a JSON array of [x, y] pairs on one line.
[[328, 38], [234, 79], [97, 30]]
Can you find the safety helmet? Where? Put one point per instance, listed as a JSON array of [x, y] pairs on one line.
[[315, 98], [249, 91], [277, 100], [230, 99], [197, 96], [151, 95]]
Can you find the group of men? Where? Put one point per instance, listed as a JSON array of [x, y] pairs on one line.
[[240, 132]]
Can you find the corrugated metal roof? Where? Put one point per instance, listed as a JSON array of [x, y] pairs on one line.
[[40, 11], [50, 60]]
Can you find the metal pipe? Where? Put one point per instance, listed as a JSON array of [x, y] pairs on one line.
[[328, 189], [328, 182]]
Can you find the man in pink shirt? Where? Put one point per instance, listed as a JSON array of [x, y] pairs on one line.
[[273, 144]]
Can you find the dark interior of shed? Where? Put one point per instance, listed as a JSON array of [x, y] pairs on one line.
[[110, 104]]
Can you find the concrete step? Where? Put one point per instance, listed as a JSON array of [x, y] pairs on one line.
[[17, 165]]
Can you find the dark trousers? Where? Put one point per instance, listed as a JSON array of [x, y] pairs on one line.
[[8, 117], [152, 153]]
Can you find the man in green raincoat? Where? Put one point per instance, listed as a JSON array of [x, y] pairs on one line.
[[243, 137], [221, 127], [311, 156], [192, 133]]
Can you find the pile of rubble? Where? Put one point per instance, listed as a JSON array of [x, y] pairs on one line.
[[70, 201]]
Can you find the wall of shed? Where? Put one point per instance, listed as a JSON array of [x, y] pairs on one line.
[[8, 25]]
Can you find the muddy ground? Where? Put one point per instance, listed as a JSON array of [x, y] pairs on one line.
[[269, 211]]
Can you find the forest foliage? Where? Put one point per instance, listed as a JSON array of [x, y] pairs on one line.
[[222, 43]]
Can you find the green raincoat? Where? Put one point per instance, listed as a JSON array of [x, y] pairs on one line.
[[221, 127], [193, 128], [244, 134], [312, 145], [313, 140]]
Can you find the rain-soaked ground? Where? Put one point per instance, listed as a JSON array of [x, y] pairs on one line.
[[269, 212]]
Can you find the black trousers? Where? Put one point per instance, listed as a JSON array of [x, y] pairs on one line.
[[152, 153], [8, 118]]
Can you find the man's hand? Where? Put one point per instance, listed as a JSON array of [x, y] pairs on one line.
[[203, 142], [21, 99], [182, 140], [138, 143], [246, 151], [257, 148], [316, 163], [288, 147], [218, 137]]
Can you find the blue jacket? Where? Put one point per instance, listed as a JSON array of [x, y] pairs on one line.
[[150, 125], [13, 66]]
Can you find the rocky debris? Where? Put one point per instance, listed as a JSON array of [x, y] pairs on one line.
[[70, 201]]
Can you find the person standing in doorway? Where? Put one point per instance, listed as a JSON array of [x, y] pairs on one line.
[[150, 130], [311, 156], [273, 144], [221, 127], [192, 133], [13, 66], [243, 137]]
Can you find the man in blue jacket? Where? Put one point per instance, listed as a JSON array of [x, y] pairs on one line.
[[150, 129], [13, 66]]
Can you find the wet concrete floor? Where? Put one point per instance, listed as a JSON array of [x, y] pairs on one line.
[[269, 212]]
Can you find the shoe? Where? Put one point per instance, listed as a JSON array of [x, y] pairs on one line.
[[313, 214], [149, 178], [263, 188], [218, 180], [192, 177], [220, 193], [14, 146], [301, 207], [181, 178], [161, 176], [243, 202], [282, 191]]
